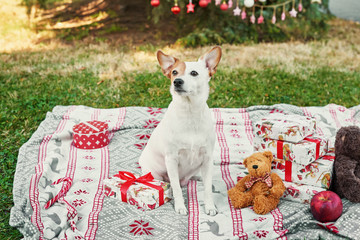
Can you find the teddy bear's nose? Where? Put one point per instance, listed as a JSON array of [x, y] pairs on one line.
[[255, 166]]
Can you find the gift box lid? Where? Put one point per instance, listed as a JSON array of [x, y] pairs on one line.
[[90, 127], [285, 121], [287, 127]]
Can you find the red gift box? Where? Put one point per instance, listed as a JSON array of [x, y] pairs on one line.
[[91, 135]]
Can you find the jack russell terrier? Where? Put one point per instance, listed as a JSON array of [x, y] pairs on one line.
[[183, 142]]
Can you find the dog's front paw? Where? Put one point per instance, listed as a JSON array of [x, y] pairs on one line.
[[211, 210], [181, 209]]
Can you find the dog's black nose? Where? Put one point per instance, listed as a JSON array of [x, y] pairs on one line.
[[255, 166], [178, 82]]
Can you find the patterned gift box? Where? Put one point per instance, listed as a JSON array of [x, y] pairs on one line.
[[144, 192], [300, 192], [318, 173], [91, 135], [290, 128], [304, 152]]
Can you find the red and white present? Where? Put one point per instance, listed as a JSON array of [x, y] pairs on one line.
[[304, 152], [142, 191], [300, 192], [290, 128], [91, 135], [318, 173]]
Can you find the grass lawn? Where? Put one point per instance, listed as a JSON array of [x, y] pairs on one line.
[[35, 78]]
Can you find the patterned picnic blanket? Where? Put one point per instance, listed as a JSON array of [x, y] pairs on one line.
[[84, 212]]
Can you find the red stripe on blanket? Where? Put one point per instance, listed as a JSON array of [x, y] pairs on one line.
[[352, 119], [334, 116], [93, 216], [121, 119], [193, 205], [225, 172], [72, 162], [248, 125], [278, 223], [34, 191], [99, 196]]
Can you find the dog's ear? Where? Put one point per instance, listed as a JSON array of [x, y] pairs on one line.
[[212, 59], [166, 62]]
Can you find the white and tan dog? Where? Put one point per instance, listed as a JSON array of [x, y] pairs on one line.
[[183, 142]]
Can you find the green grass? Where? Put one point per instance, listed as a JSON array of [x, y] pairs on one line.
[[27, 96]]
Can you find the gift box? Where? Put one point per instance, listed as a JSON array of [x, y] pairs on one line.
[[300, 192], [91, 135], [304, 152], [290, 128], [318, 173], [142, 191]]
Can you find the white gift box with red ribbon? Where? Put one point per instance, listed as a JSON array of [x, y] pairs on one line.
[[300, 192], [304, 152], [91, 135], [318, 173], [290, 128], [142, 191]]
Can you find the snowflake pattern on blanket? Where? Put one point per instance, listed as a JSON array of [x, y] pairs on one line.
[[84, 213]]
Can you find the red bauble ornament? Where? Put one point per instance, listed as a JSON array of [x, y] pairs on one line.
[[175, 9], [224, 6], [155, 3], [203, 3]]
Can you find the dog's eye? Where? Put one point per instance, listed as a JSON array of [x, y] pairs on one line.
[[174, 72], [194, 73]]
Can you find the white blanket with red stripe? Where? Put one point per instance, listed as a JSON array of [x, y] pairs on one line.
[[84, 213]]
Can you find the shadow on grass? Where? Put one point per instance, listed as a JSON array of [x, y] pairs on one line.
[[102, 20]]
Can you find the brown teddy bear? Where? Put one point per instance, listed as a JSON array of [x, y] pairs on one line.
[[346, 179], [260, 188]]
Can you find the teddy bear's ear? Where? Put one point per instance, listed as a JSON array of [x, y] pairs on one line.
[[245, 162], [268, 155]]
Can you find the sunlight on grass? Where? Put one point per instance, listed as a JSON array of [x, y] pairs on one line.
[[16, 34], [78, 23], [339, 52]]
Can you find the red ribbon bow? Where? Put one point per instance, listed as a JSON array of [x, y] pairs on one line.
[[266, 179], [131, 179]]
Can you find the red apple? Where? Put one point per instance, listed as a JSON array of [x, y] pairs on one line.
[[326, 206]]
